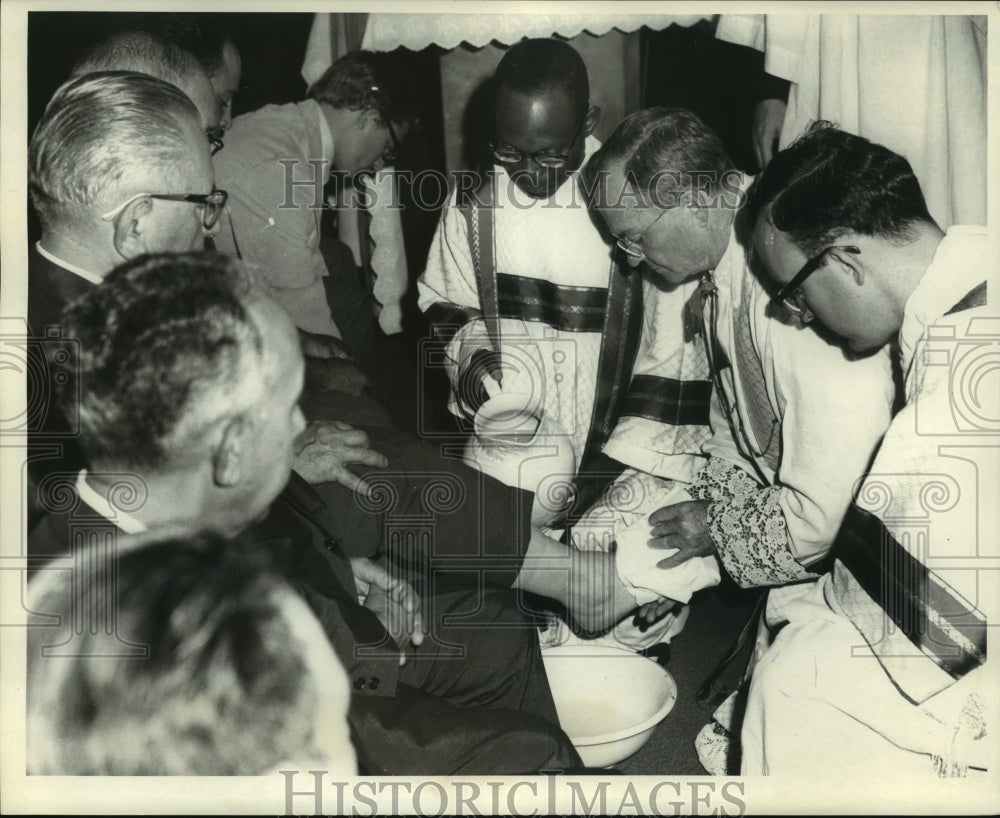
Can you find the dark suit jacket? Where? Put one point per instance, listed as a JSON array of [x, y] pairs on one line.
[[50, 288], [53, 446]]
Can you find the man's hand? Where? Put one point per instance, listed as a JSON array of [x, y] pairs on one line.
[[392, 600], [324, 449], [683, 526], [334, 375], [479, 377], [315, 345], [654, 611], [768, 117]]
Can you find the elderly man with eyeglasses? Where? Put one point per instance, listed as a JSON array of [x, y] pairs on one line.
[[118, 167], [880, 671], [531, 298], [794, 420]]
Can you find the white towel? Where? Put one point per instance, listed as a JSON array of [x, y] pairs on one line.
[[623, 517]]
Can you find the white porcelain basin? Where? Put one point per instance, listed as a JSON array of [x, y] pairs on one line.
[[608, 699]]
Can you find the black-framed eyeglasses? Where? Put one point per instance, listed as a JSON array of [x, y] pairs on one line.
[[211, 204], [215, 143], [392, 152], [545, 158], [633, 247], [789, 294]]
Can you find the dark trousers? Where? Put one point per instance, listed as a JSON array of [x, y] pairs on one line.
[[474, 699]]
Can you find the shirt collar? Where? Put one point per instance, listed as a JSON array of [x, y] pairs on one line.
[[86, 275], [325, 136], [957, 267], [126, 522]]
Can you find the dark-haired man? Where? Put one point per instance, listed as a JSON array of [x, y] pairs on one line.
[[276, 162], [780, 472], [220, 362], [880, 670], [205, 37]]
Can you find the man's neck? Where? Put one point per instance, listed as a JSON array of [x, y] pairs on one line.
[[76, 252], [910, 261], [336, 121], [155, 500]]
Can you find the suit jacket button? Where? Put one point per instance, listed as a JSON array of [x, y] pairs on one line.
[[374, 682], [359, 683], [331, 545]]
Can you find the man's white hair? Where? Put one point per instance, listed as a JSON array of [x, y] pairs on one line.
[[98, 132]]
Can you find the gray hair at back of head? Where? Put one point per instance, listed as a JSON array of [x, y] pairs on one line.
[[96, 131], [164, 347]]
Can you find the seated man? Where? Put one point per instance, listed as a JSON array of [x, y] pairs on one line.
[[275, 166], [880, 671], [196, 337], [118, 166], [199, 660], [204, 37], [771, 497]]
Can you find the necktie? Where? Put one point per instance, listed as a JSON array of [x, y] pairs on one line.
[[750, 376]]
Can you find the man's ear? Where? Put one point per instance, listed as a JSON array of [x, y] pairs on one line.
[[229, 460], [130, 228], [591, 119], [852, 263]]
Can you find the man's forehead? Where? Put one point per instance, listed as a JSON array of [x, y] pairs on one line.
[[549, 105], [199, 90], [226, 79]]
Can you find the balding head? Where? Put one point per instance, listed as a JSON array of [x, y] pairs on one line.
[[147, 53]]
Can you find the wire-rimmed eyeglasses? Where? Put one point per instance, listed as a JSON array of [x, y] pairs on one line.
[[546, 158], [633, 247]]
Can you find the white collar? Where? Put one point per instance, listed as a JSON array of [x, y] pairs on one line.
[[126, 522], [84, 274], [960, 263]]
